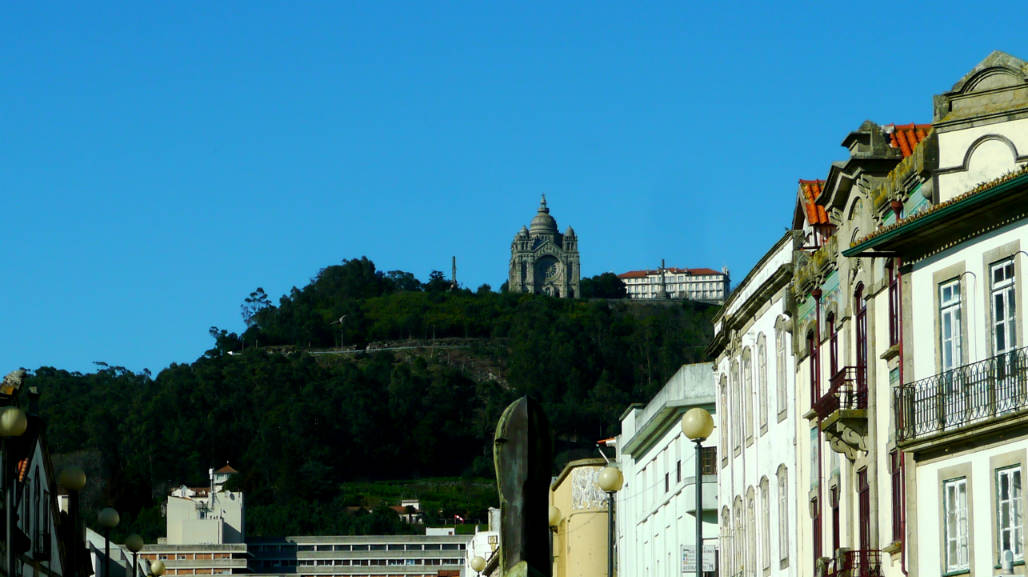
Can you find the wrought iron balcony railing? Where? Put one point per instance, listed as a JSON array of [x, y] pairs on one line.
[[856, 563], [844, 392], [964, 396]]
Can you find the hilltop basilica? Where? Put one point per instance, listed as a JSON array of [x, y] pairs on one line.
[[542, 260]]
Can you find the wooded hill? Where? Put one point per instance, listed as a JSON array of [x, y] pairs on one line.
[[300, 424]]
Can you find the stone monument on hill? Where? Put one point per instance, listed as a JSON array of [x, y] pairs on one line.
[[543, 261]]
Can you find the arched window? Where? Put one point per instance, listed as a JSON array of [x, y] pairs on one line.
[[751, 542], [726, 542], [723, 413], [737, 414], [833, 346], [783, 513], [812, 348], [747, 391], [765, 525], [740, 539], [860, 306], [780, 372], [762, 381]]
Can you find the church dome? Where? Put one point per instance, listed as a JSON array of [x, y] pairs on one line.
[[543, 223]]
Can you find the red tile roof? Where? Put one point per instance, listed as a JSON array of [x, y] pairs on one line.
[[809, 191], [226, 470], [22, 469], [906, 137], [669, 270]]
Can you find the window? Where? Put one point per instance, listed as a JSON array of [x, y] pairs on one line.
[[737, 416], [894, 304], [747, 378], [751, 542], [1004, 335], [896, 478], [723, 412], [783, 513], [864, 509], [949, 324], [1009, 525], [833, 501], [815, 524], [762, 381], [667, 482], [954, 494], [678, 471], [780, 371], [765, 525], [740, 538], [708, 458], [815, 390], [726, 542], [833, 346], [860, 305]]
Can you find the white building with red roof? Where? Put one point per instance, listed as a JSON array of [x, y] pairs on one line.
[[698, 284]]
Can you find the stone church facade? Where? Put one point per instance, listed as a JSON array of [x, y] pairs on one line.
[[543, 261]]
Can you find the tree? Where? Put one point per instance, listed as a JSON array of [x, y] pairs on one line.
[[437, 282], [603, 286], [253, 304], [403, 281]]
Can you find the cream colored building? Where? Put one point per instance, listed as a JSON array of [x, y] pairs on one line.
[[699, 284], [962, 410], [580, 537]]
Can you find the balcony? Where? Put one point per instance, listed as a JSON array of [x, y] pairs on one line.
[[978, 398], [842, 412], [854, 563]]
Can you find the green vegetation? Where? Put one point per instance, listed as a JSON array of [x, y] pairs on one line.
[[416, 393]]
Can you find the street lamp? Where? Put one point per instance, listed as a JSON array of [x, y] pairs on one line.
[[156, 569], [697, 424], [73, 479], [12, 424], [108, 519], [610, 480], [477, 564], [134, 543]]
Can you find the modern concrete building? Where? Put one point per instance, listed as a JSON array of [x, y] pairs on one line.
[[962, 407], [206, 515], [698, 284], [656, 507], [754, 375], [543, 261]]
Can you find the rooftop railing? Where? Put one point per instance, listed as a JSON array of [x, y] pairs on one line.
[[959, 398]]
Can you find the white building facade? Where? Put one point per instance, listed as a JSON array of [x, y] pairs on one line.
[[699, 284], [963, 405], [757, 421], [656, 514]]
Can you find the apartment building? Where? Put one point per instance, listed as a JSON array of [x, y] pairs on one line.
[[961, 410], [699, 284], [753, 373]]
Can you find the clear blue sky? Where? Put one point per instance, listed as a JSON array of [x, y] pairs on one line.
[[158, 161]]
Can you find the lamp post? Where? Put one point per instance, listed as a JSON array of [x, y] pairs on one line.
[[12, 424], [477, 564], [134, 543], [108, 519], [73, 479], [610, 481], [156, 569], [697, 425]]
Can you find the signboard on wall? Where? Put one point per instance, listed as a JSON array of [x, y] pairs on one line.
[[709, 558]]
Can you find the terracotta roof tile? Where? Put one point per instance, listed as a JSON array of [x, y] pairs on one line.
[[810, 191], [22, 469], [906, 137], [226, 470]]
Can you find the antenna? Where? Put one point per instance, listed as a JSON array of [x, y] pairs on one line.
[[453, 275]]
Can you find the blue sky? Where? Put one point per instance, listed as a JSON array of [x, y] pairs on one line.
[[158, 161]]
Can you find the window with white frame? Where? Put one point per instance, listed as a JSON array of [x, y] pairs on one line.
[[762, 380], [747, 391], [737, 416], [726, 542], [740, 539], [724, 411], [765, 525], [780, 368], [1009, 526], [1004, 335], [949, 324], [751, 543], [954, 504], [783, 513]]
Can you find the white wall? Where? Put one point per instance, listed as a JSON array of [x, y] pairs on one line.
[[995, 153]]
